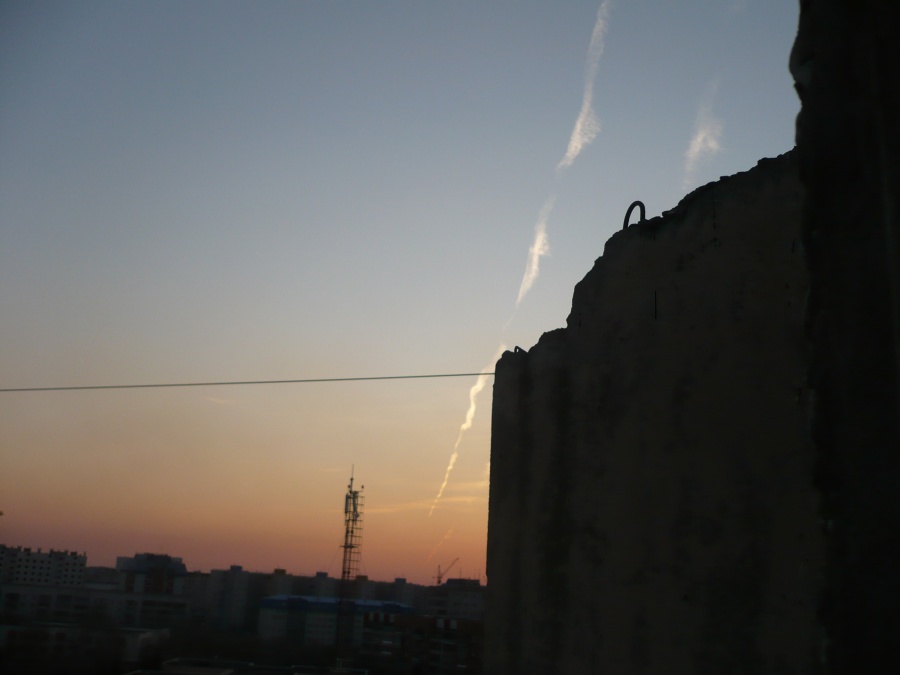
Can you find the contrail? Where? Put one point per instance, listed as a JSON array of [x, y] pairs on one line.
[[470, 415], [586, 129], [587, 126], [438, 545], [538, 250], [706, 140]]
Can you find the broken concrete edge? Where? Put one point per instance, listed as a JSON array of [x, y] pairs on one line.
[[647, 228]]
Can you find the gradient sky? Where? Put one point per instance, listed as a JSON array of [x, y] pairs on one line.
[[208, 191]]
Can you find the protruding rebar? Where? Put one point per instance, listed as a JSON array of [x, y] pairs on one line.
[[630, 209]]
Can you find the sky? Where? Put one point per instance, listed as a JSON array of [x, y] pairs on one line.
[[231, 191]]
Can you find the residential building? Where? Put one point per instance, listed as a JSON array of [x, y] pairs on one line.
[[20, 565]]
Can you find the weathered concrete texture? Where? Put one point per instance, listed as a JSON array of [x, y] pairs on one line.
[[846, 63], [652, 507]]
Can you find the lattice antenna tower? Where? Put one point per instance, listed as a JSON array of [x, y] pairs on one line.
[[353, 526], [353, 521]]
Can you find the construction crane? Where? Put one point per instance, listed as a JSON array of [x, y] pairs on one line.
[[440, 575]]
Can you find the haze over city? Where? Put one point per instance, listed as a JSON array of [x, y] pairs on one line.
[[199, 192]]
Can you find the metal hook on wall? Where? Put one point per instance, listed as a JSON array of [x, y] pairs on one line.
[[630, 209]]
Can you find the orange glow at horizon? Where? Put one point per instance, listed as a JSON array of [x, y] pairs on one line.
[[394, 544], [242, 484]]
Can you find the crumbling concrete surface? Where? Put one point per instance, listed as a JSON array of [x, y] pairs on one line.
[[652, 506], [698, 475]]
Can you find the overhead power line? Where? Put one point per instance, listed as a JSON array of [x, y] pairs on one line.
[[230, 384]]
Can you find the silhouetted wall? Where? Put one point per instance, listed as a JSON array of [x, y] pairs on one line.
[[652, 507], [846, 63]]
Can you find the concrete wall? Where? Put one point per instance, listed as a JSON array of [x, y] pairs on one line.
[[652, 507], [846, 63]]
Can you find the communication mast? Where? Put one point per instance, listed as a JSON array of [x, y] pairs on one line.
[[353, 522]]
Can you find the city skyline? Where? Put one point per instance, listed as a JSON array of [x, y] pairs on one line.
[[66, 554], [220, 192]]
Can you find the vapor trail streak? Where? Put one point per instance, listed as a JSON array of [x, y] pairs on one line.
[[587, 126], [586, 129], [538, 250], [470, 415], [438, 545], [706, 140]]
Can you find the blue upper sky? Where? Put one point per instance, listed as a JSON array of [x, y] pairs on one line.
[[270, 190]]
